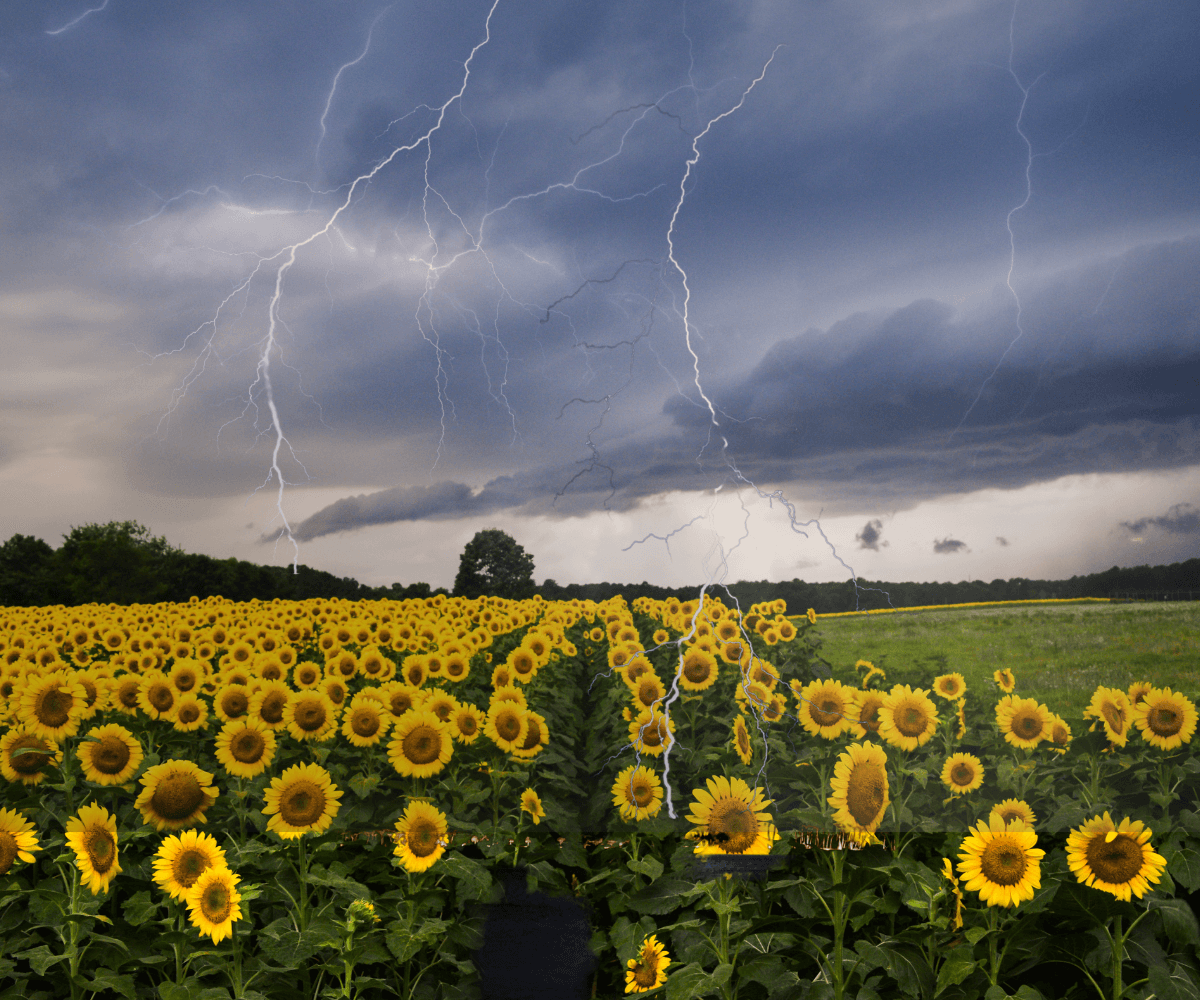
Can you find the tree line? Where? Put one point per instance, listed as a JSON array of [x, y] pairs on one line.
[[122, 563]]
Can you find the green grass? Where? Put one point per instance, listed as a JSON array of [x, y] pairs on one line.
[[1059, 653]]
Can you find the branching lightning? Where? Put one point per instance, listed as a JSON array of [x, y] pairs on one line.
[[70, 24]]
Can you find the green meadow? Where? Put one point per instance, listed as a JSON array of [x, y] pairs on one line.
[[1059, 653]]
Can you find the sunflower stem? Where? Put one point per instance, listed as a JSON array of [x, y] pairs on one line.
[[837, 861], [302, 915], [73, 933], [1118, 955], [993, 957], [517, 837]]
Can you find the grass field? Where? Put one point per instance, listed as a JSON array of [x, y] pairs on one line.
[[1059, 653]]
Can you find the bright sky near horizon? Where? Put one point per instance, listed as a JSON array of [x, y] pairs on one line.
[[668, 291]]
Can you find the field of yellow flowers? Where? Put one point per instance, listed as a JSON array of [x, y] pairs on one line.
[[324, 799]]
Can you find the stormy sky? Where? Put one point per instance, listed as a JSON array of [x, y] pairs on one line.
[[668, 291]]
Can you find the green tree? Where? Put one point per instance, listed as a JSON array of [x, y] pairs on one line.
[[494, 564], [26, 579], [119, 562]]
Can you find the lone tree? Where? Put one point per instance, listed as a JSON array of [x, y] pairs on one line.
[[494, 564]]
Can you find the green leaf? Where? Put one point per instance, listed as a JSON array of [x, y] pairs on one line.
[[1175, 984], [908, 967], [40, 958], [1179, 920], [689, 981], [474, 881], [770, 971], [1184, 867], [764, 943], [958, 966], [649, 866], [975, 934], [363, 785], [140, 908], [107, 981]]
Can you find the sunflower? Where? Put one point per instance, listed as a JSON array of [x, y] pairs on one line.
[[501, 677], [1060, 733], [1138, 690], [649, 732], [825, 708], [1116, 859], [1166, 720], [537, 736], [157, 696], [729, 819], [1023, 721], [962, 773], [421, 744], [366, 722], [124, 697], [466, 723], [245, 748], [950, 686], [399, 697], [213, 902], [1011, 809], [310, 716], [697, 670], [1005, 679], [648, 691], [511, 695], [110, 755], [741, 740], [637, 793], [531, 804], [948, 871], [182, 858], [442, 704], [190, 714], [1110, 706], [648, 970], [907, 718], [860, 790], [812, 617], [175, 795], [507, 725], [334, 688], [17, 839], [232, 701], [28, 768], [92, 835], [421, 838], [414, 671], [307, 675], [960, 708], [186, 675], [864, 716], [267, 704], [1001, 862], [51, 706], [301, 800]]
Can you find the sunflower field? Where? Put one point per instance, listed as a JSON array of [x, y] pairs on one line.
[[330, 798]]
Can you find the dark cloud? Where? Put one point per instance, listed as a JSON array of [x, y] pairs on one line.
[[869, 537], [948, 546], [1180, 519]]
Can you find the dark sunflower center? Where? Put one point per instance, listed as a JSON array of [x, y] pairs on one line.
[[161, 696], [110, 755], [423, 745], [466, 724], [533, 735], [271, 672], [827, 713], [28, 763], [646, 972], [101, 850], [736, 820], [189, 712], [306, 675], [54, 708], [1164, 721], [415, 675], [1027, 725], [910, 720], [177, 796], [302, 804], [1059, 734], [89, 691], [866, 788], [422, 838], [962, 774], [743, 740], [1117, 861], [310, 716], [642, 793], [651, 734], [216, 903], [188, 867], [1003, 861], [454, 667], [1114, 717], [950, 688], [185, 680], [235, 704], [127, 694], [442, 710], [508, 726], [336, 693], [868, 716], [271, 709], [523, 664], [8, 851], [365, 722], [247, 747], [636, 669], [696, 669]]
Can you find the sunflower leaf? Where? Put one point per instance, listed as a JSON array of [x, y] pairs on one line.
[[1179, 920], [1184, 866], [1175, 984], [649, 866], [958, 966]]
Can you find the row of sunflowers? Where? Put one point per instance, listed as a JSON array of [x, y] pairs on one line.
[[310, 737]]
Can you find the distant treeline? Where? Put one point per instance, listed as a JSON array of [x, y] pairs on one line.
[[120, 563]]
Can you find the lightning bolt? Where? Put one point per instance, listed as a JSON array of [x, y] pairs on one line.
[[70, 24], [338, 75]]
